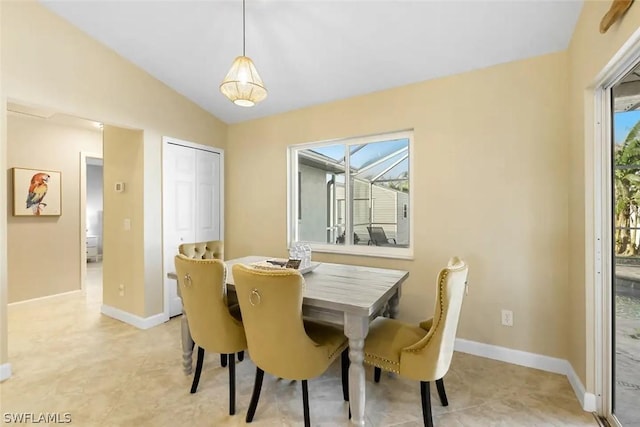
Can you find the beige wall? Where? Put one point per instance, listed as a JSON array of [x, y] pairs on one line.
[[41, 144], [490, 184], [48, 62], [123, 261], [4, 355], [589, 53]]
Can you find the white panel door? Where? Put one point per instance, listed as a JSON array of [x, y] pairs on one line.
[[208, 196], [179, 210], [192, 205]]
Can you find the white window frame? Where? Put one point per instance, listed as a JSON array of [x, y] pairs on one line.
[[348, 248]]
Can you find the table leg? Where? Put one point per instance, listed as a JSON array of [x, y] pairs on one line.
[[393, 308], [187, 345], [356, 329]]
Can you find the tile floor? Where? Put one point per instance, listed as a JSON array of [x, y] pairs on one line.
[[68, 358]]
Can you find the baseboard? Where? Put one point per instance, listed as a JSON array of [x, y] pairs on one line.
[[587, 400], [132, 319], [531, 360], [516, 357], [47, 298], [5, 371]]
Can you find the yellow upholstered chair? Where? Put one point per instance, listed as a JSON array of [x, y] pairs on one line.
[[213, 326], [213, 249], [421, 352], [279, 341]]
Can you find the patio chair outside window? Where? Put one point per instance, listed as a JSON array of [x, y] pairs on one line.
[[378, 237]]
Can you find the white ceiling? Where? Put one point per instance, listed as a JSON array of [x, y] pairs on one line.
[[310, 52]]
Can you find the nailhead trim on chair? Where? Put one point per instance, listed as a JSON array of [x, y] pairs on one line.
[[445, 273], [377, 365], [373, 356], [336, 351]]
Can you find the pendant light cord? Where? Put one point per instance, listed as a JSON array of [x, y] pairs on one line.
[[243, 30]]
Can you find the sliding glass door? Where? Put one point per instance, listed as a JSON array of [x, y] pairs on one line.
[[625, 292]]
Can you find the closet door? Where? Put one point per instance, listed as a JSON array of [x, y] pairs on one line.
[[207, 208], [192, 206], [180, 189]]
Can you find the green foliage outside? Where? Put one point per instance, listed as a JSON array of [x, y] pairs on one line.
[[627, 193]]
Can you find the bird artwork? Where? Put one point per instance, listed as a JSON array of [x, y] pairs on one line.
[[37, 191]]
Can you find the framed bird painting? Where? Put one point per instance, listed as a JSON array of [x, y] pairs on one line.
[[37, 192]]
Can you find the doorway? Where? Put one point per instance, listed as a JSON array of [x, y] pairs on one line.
[[92, 206]]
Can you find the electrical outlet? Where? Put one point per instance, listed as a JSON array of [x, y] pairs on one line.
[[121, 288], [507, 318]]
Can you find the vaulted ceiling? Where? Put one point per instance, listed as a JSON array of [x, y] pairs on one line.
[[315, 51]]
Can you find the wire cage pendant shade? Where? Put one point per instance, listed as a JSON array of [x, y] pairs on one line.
[[243, 84]]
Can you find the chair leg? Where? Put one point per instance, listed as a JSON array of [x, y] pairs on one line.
[[240, 356], [196, 375], [256, 395], [425, 392], [305, 403], [223, 360], [345, 374], [376, 374], [441, 392], [232, 384]]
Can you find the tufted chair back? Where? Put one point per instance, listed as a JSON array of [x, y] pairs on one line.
[[280, 341], [271, 304], [213, 249]]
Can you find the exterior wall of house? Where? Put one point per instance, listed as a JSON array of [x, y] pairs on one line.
[[491, 186], [385, 210], [402, 215], [44, 255], [589, 52], [361, 191], [313, 222]]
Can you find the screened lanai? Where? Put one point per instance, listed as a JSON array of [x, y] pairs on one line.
[[345, 189]]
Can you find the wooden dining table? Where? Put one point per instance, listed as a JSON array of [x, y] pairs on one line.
[[350, 296]]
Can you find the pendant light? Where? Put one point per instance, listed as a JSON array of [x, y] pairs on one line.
[[243, 84]]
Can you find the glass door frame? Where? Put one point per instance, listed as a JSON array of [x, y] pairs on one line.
[[602, 309]]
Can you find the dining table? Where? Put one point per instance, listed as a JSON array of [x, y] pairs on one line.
[[350, 296]]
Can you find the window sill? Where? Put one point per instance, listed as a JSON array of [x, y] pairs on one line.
[[361, 250]]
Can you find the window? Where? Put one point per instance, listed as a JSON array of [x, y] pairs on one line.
[[353, 195]]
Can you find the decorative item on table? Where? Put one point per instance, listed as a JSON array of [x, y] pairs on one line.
[[282, 263], [277, 264], [306, 249], [301, 251]]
